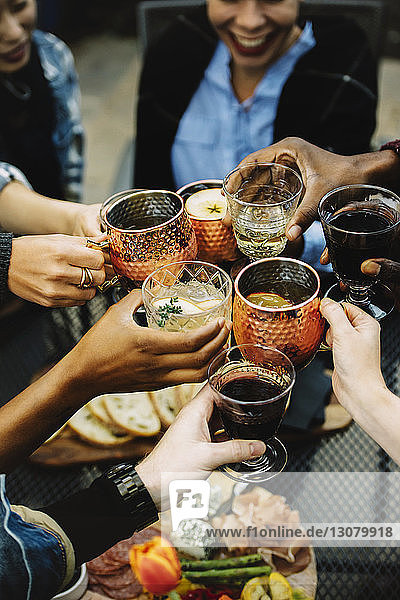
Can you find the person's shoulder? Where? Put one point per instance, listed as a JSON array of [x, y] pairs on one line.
[[48, 42], [335, 30]]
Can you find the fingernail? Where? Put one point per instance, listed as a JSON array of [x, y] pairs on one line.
[[257, 448], [229, 325], [294, 232], [371, 268], [326, 302], [221, 322]]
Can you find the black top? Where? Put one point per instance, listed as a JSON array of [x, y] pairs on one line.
[[329, 99], [27, 117]]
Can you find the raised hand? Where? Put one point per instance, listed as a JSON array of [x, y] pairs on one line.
[[47, 269]]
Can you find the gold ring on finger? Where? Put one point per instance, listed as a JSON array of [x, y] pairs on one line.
[[86, 279]]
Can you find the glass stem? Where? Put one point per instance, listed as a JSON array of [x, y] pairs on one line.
[[358, 295]]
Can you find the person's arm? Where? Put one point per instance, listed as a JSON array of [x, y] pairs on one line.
[[115, 355], [6, 240], [23, 211], [357, 378], [323, 171], [99, 516]]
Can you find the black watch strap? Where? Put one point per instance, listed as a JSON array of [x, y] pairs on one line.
[[394, 145], [134, 494]]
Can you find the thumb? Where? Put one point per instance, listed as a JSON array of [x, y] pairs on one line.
[[235, 451], [388, 270], [131, 302], [336, 317]]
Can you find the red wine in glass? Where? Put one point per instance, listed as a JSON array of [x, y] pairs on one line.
[[360, 222], [251, 385], [254, 422]]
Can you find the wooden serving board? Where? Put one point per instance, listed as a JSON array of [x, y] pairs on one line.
[[68, 449]]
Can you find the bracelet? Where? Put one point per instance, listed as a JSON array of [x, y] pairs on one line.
[[134, 494], [395, 146]]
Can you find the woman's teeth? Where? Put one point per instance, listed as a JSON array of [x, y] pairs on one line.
[[251, 43]]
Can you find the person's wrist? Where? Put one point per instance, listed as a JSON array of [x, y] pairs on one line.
[[360, 399], [378, 168], [151, 480]]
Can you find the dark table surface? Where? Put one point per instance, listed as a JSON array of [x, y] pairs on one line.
[[35, 337]]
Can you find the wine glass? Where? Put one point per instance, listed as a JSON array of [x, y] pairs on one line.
[[186, 295], [360, 222], [277, 304], [262, 198], [251, 386]]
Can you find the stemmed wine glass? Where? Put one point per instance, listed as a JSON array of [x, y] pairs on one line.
[[251, 386], [277, 304], [360, 222], [262, 198]]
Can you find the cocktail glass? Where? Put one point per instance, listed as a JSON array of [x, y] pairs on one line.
[[262, 198], [277, 304], [186, 295]]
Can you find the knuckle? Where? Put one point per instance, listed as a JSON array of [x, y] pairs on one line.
[[100, 277], [237, 450], [98, 259]]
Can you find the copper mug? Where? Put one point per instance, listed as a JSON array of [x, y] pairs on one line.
[[146, 229], [296, 330], [215, 239]]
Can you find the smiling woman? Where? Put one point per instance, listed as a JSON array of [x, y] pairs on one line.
[[40, 122], [17, 21], [230, 77], [256, 34]]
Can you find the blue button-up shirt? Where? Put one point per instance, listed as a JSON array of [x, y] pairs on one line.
[[217, 131]]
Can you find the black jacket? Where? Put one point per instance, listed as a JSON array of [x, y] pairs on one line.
[[329, 99]]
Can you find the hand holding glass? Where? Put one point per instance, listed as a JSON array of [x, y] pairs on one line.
[[360, 222]]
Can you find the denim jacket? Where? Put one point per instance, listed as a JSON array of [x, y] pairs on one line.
[[32, 558], [59, 70]]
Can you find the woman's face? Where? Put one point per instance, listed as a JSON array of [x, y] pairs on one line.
[[17, 21], [255, 31]]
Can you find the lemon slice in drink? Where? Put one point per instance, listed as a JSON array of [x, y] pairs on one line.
[[188, 307], [269, 300], [208, 304], [207, 204]]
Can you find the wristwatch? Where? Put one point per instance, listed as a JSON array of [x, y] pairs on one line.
[[395, 146], [134, 494]]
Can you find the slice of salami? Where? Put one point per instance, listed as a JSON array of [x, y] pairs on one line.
[[125, 593], [101, 566], [118, 580]]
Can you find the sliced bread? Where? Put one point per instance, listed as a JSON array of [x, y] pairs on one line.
[[187, 391], [134, 413], [94, 431], [97, 408], [166, 404]]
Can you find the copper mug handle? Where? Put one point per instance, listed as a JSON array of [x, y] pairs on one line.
[[105, 245]]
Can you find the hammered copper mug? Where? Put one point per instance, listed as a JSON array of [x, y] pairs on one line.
[[215, 238], [296, 329], [146, 229]]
